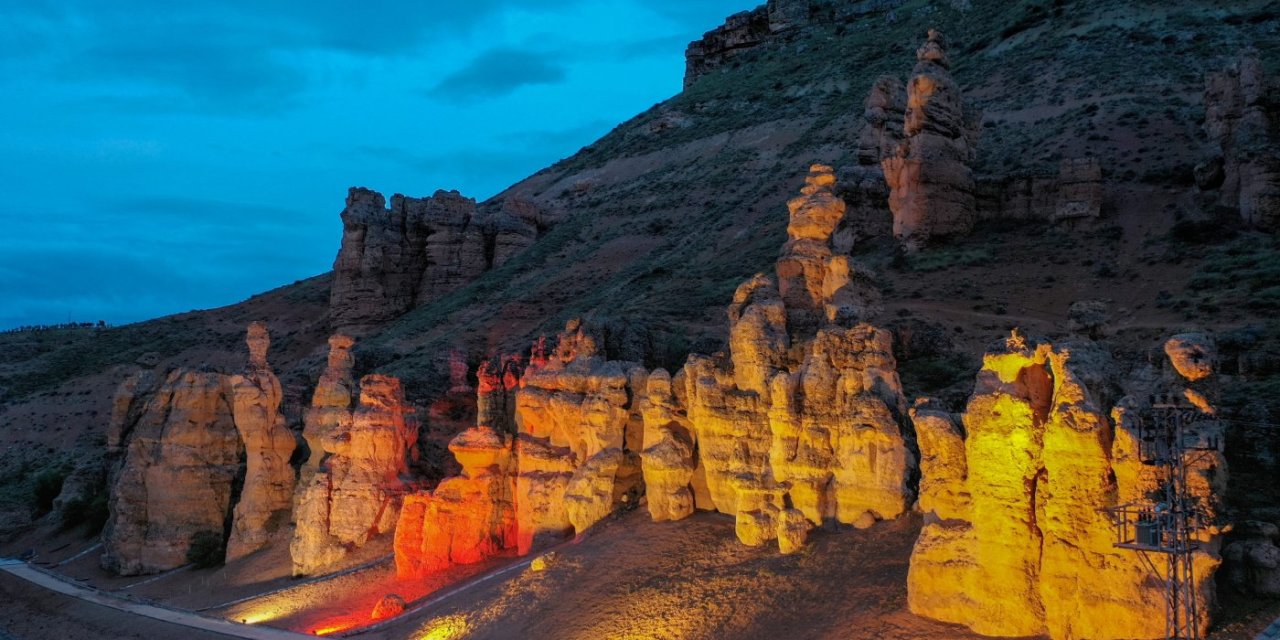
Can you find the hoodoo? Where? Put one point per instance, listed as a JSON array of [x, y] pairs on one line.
[[1020, 497]]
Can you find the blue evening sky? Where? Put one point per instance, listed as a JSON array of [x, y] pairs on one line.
[[163, 156]]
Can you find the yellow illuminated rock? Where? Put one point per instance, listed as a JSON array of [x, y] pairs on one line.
[[804, 415], [1018, 540]]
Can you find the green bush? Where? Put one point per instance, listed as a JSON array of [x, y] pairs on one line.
[[207, 549], [90, 512]]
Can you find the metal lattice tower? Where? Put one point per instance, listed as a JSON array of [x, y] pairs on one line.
[[1173, 435]]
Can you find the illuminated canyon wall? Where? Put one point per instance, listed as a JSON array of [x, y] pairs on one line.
[[175, 484], [356, 488], [1017, 540], [801, 425], [183, 446], [555, 451]]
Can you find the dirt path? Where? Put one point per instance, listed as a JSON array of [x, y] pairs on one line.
[[73, 611]]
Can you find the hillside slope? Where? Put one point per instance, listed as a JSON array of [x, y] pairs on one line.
[[658, 221]]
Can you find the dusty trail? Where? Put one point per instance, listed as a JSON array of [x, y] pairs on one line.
[[121, 624]]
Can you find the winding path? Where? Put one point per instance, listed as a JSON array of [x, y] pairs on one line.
[[187, 619]]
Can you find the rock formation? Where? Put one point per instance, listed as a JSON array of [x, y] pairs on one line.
[[576, 439], [554, 452], [1240, 124], [800, 425], [183, 456], [1251, 563], [394, 259], [1018, 540], [1079, 189], [330, 410], [931, 187], [356, 492], [467, 518], [266, 499], [862, 186]]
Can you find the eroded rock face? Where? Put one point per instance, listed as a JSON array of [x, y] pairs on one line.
[[1245, 174], [1018, 541], [394, 259], [330, 409], [800, 425], [467, 518], [183, 456], [356, 491], [267, 496], [556, 451], [931, 187], [1251, 563], [576, 439]]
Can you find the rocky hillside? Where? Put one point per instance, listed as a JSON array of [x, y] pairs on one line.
[[649, 230]]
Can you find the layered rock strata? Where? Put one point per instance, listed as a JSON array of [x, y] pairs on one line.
[[1018, 539], [863, 186], [801, 424], [266, 499], [931, 186], [395, 258], [330, 410], [1240, 124], [356, 492], [183, 455]]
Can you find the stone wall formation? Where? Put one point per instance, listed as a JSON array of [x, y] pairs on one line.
[[801, 424]]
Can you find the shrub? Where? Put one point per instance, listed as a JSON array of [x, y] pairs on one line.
[[46, 487], [207, 549]]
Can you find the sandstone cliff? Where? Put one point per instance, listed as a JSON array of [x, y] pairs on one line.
[[931, 187], [1018, 540], [395, 258], [356, 491], [1241, 125], [182, 459], [556, 449], [801, 424]]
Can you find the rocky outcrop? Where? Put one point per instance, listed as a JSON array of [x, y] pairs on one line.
[[801, 424], [1018, 539], [555, 451], [330, 410], [1240, 123], [931, 187], [467, 518], [668, 459], [267, 495], [356, 492], [1251, 562], [395, 258], [862, 186], [577, 443], [176, 481], [1076, 191]]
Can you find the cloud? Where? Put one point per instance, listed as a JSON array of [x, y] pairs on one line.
[[499, 72]]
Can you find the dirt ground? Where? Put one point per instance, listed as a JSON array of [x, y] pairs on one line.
[[29, 612], [628, 579]]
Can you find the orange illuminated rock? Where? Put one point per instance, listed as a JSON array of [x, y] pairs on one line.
[[1017, 540], [356, 492], [931, 186], [183, 455], [805, 412], [467, 518], [267, 496]]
